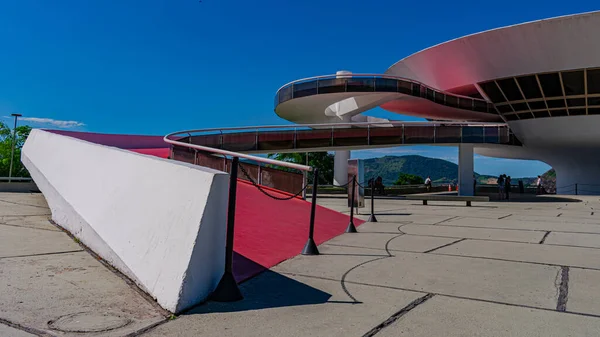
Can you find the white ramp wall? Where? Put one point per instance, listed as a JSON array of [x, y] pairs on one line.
[[160, 222]]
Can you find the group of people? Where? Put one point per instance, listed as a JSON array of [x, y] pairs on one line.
[[504, 187]]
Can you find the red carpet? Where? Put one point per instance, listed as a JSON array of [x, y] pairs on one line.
[[269, 231]]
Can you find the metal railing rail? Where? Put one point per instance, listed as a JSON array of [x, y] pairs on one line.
[[357, 75]]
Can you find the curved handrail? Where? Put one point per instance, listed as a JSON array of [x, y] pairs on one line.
[[335, 125], [351, 75], [236, 154]]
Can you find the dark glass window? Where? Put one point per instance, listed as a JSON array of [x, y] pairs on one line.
[[593, 111], [480, 106], [504, 108], [537, 105], [361, 84], [593, 100], [530, 87], [452, 101], [573, 83], [557, 113], [492, 91], [328, 86], [416, 89], [526, 115], [386, 84], [550, 84], [576, 101], [519, 106], [465, 103], [439, 97], [579, 111], [593, 81], [430, 94], [556, 103], [541, 114], [305, 89], [476, 95], [405, 87], [510, 89], [511, 117]]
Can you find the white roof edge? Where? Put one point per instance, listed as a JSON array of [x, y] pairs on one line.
[[569, 16]]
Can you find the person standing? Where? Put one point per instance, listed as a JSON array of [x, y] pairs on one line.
[[501, 187], [539, 185], [507, 187], [428, 184]]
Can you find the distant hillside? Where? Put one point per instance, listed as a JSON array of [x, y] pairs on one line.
[[441, 171]]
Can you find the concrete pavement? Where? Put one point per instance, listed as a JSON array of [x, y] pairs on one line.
[[524, 268]]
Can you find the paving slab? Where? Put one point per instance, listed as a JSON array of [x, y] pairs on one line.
[[584, 291], [7, 331], [513, 223], [34, 221], [279, 305], [333, 262], [473, 233], [19, 204], [538, 253], [76, 291], [574, 239], [23, 241], [506, 282], [451, 317]]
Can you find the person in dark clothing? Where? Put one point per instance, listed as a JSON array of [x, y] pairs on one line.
[[507, 187]]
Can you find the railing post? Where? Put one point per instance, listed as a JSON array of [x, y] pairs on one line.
[[351, 228], [576, 189], [311, 247], [259, 178], [227, 290], [372, 217]]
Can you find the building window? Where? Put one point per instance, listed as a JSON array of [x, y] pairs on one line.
[[557, 113], [556, 103], [575, 102], [593, 81], [579, 111], [510, 89], [520, 106], [573, 83], [593, 100], [537, 105], [504, 108], [492, 91], [551, 85], [541, 114], [530, 87]]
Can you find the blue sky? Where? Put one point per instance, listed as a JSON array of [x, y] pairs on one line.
[[156, 66]]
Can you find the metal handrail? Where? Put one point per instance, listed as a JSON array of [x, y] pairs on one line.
[[237, 154], [300, 167], [335, 125], [351, 75]]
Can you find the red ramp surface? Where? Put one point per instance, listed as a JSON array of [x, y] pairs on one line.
[[269, 231]]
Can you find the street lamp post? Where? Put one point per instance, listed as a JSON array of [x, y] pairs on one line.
[[14, 142]]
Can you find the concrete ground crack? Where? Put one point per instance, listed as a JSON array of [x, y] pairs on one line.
[[444, 246], [559, 214], [504, 217], [398, 314], [563, 289], [544, 238], [25, 328]]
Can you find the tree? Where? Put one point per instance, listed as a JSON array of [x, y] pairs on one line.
[[6, 139], [321, 160], [408, 179]]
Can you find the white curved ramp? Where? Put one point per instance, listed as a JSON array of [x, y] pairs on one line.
[[162, 223]]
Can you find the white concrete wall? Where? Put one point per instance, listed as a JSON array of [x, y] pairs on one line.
[[162, 223], [340, 167], [465, 169]]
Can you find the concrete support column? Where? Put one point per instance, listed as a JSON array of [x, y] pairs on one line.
[[340, 167], [465, 169]]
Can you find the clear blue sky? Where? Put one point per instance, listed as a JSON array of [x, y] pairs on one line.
[[153, 66]]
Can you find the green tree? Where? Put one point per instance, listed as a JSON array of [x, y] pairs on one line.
[[321, 160], [408, 179], [6, 139]]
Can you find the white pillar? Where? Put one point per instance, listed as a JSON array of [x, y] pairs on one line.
[[465, 169], [340, 167]]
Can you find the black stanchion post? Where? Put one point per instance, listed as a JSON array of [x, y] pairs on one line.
[[311, 247], [351, 228], [227, 290], [372, 218]]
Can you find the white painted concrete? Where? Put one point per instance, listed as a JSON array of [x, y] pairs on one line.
[[340, 167], [465, 169], [160, 222]]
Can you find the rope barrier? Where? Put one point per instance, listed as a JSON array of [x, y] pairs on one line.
[[267, 193]]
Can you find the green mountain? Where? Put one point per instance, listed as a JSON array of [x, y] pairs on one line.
[[441, 171]]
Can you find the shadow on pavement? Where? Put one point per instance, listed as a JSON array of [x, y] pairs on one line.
[[267, 290]]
